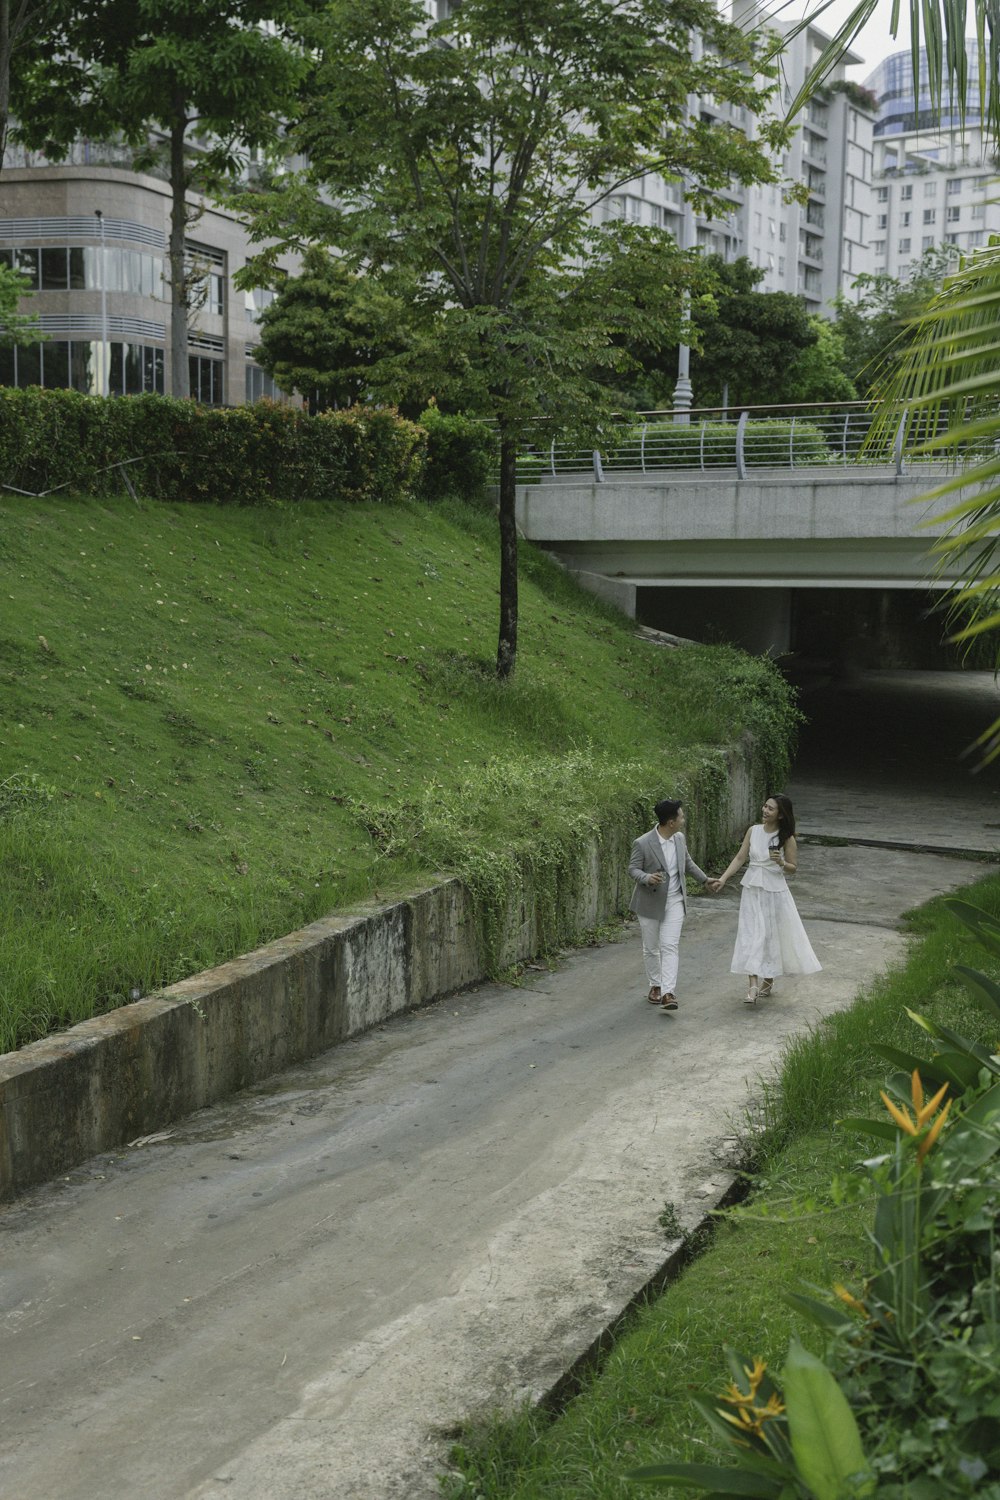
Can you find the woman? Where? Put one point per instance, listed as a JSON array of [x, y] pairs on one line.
[[770, 938]]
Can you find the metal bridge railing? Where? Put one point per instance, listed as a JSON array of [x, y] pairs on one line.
[[741, 441]]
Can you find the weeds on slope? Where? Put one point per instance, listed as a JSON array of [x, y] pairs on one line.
[[207, 714]]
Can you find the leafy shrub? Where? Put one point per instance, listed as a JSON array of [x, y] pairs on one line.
[[460, 456], [713, 445], [180, 451]]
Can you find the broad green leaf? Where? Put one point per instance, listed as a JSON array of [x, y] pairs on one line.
[[982, 986], [881, 1129], [824, 1433], [985, 926], [823, 1314], [711, 1477]]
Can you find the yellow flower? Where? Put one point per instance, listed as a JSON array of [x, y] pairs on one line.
[[749, 1417], [849, 1299], [922, 1113]]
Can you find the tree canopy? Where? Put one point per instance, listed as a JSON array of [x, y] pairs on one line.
[[468, 160], [193, 83], [327, 329]]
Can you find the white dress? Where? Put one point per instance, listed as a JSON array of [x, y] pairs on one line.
[[770, 937]]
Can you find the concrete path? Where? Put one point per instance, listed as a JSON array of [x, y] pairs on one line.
[[296, 1295]]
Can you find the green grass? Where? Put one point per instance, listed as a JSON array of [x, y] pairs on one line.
[[218, 724], [793, 1229]]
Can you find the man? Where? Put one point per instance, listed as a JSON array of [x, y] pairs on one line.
[[658, 864]]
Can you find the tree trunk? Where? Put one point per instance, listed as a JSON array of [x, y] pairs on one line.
[[180, 383], [507, 643], [6, 47]]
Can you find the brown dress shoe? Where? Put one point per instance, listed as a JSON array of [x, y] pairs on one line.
[[654, 995], [668, 1002]]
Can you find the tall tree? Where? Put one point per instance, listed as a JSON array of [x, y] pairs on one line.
[[878, 323], [194, 84], [26, 28], [465, 158], [744, 340], [325, 331]]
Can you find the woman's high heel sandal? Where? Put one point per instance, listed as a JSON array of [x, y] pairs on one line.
[[751, 996], [766, 986]]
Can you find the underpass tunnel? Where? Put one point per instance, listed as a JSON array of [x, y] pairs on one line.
[[837, 629]]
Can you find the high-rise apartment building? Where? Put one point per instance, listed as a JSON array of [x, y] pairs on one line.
[[935, 182], [814, 249], [90, 234]]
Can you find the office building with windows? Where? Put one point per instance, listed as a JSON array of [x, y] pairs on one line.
[[90, 236], [935, 183], [815, 249]]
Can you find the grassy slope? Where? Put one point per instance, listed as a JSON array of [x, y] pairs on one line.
[[220, 706], [790, 1233]]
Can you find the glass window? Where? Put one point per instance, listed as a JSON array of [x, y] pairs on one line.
[[927, 242], [7, 258], [882, 194], [8, 373], [133, 369], [904, 247], [955, 185], [116, 379], [77, 268], [206, 380], [83, 367], [904, 220], [881, 220], [954, 214], [55, 364], [29, 364], [930, 189], [54, 278], [930, 215], [906, 192], [26, 262]]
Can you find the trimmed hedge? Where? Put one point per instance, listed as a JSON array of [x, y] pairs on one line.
[[180, 451], [766, 441], [461, 456]]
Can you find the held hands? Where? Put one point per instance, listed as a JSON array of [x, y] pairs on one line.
[[715, 886]]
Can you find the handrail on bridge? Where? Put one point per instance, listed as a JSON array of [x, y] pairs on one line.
[[802, 436]]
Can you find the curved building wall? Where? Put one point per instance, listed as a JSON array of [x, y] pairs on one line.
[[92, 242]]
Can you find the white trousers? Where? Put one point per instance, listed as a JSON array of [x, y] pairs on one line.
[[661, 939]]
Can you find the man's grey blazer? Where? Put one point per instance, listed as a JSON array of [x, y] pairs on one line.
[[647, 858]]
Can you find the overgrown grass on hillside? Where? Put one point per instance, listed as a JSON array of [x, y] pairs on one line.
[[217, 725], [638, 1409]]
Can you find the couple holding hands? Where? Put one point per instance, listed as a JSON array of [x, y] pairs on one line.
[[770, 938]]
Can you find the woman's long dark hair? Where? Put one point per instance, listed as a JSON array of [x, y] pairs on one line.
[[786, 821]]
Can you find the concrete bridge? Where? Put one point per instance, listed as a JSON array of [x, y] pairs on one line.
[[832, 562]]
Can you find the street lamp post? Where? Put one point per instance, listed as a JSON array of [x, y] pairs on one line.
[[682, 387], [105, 363]]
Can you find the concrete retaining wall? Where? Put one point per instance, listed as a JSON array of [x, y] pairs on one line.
[[126, 1074]]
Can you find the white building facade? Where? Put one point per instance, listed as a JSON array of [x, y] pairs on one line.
[[935, 184], [815, 249]]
